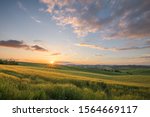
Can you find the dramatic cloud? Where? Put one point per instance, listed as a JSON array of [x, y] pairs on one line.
[[21, 44], [112, 19], [71, 12], [112, 49]]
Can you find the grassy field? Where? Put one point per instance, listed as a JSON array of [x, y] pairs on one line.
[[39, 81]]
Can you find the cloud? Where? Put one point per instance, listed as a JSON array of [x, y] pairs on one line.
[[14, 44], [112, 19], [41, 10], [37, 40], [36, 20], [67, 12], [21, 44], [38, 48], [96, 47], [56, 54], [100, 55], [20, 5], [134, 48], [112, 49], [147, 42], [145, 57]]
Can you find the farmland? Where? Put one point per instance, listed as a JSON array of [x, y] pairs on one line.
[[45, 82]]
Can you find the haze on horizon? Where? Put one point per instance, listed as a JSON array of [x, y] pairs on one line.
[[76, 31]]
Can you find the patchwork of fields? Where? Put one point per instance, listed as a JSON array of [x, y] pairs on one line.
[[43, 82]]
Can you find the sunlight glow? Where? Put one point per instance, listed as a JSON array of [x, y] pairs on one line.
[[52, 62]]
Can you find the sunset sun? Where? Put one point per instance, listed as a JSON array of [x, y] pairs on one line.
[[74, 50], [52, 62]]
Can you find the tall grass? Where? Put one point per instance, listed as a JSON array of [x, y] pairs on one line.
[[24, 82]]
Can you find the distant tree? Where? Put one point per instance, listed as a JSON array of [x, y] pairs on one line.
[[8, 62]]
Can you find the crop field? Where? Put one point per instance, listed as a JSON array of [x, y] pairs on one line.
[[43, 82]]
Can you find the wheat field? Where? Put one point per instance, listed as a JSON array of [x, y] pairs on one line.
[[47, 83]]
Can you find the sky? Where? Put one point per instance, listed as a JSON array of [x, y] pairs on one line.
[[110, 32]]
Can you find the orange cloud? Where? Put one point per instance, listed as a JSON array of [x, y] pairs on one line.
[[112, 49]]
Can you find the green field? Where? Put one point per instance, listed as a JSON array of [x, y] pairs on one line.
[[39, 81]]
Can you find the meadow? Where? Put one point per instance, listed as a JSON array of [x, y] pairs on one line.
[[46, 82]]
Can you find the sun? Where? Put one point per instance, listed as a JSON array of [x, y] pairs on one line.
[[52, 62]]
